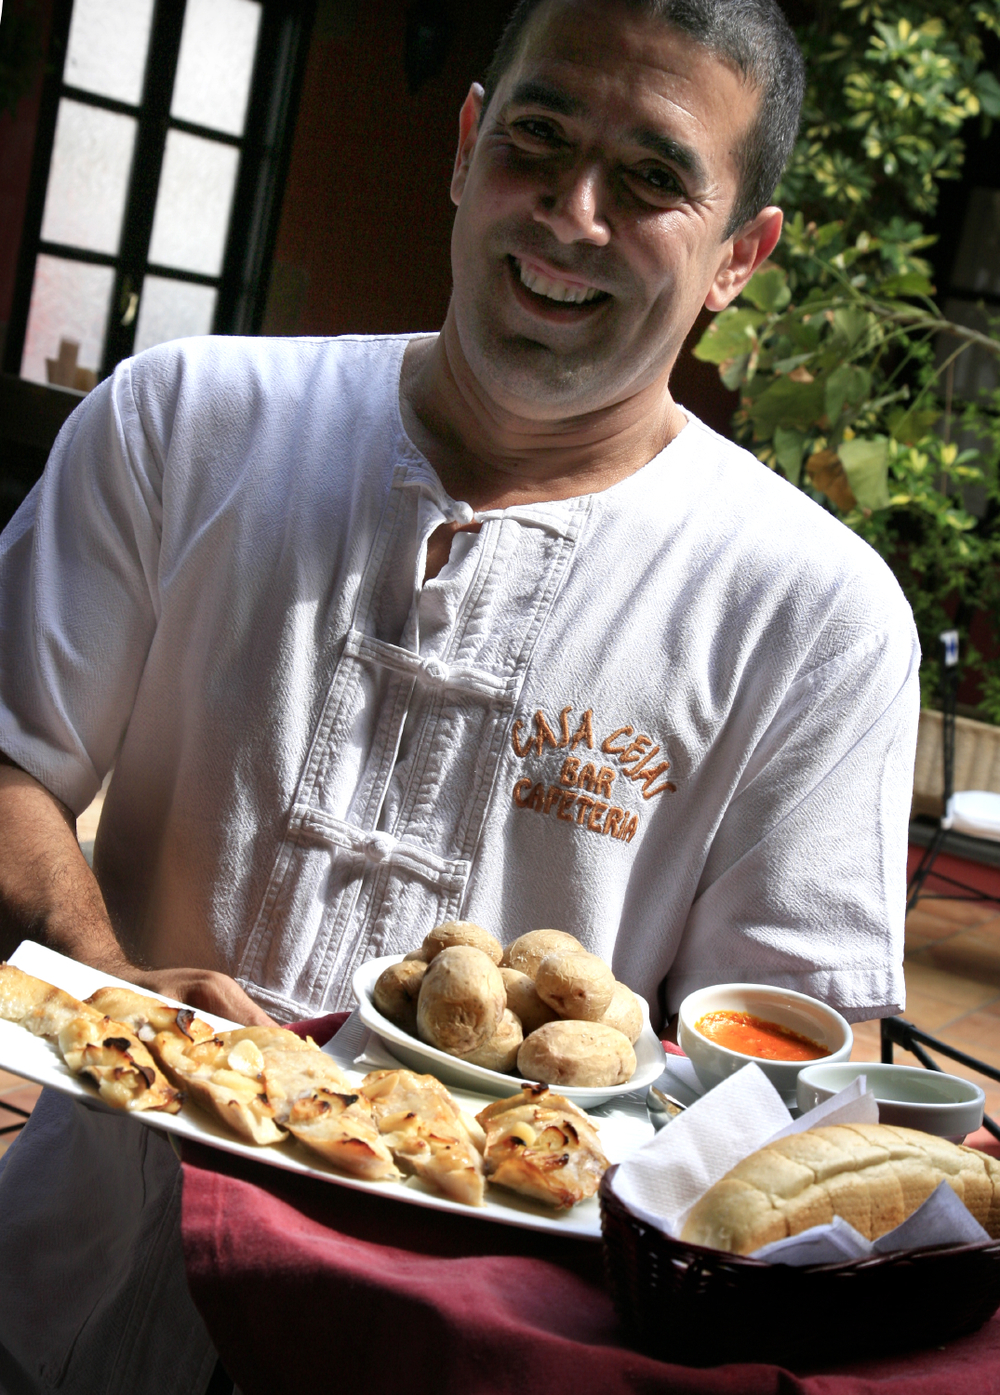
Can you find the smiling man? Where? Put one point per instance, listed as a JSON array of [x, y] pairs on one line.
[[379, 632]]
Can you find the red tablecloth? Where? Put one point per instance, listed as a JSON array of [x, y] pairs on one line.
[[306, 1286]]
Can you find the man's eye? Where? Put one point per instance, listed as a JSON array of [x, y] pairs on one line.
[[535, 129], [656, 183]]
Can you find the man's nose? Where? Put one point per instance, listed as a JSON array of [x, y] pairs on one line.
[[571, 208]]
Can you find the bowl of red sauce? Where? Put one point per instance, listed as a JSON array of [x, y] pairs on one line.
[[723, 1027]]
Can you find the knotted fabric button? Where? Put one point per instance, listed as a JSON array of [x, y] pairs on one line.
[[460, 513], [377, 846], [436, 671]]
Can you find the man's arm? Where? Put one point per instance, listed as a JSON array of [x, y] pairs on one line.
[[49, 894]]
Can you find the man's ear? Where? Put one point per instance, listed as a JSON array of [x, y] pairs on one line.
[[752, 245], [468, 133]]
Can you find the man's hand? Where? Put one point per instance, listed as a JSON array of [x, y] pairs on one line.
[[49, 894], [204, 989]]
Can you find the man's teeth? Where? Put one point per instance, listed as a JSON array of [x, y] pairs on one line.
[[555, 290]]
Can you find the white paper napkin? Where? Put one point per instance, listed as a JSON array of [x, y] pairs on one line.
[[662, 1180], [822, 1244], [941, 1220]]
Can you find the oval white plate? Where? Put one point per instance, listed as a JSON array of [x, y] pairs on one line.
[[623, 1128], [649, 1054]]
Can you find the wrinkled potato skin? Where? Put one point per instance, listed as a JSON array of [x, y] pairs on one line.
[[524, 1002], [577, 985], [577, 1053], [396, 990], [460, 932], [462, 999], [500, 1052], [527, 952], [624, 1012]]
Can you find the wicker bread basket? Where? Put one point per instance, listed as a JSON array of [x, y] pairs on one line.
[[700, 1307]]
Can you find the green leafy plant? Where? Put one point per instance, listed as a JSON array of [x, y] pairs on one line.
[[843, 361]]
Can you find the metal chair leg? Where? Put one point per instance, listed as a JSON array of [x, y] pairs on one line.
[[923, 868]]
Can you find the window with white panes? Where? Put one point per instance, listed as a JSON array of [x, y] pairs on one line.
[[161, 149]]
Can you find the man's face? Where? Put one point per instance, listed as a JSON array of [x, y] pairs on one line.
[[592, 203]]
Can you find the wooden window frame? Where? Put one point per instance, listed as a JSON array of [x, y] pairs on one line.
[[265, 148]]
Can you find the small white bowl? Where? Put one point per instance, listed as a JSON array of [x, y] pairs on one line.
[[462, 1075], [909, 1096], [797, 1011]]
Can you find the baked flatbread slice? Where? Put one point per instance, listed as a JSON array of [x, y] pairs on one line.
[[91, 1043], [426, 1133], [37, 1005], [313, 1099], [543, 1146], [118, 1063], [148, 1016], [223, 1075]]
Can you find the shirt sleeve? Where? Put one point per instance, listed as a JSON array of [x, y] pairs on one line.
[[78, 596], [805, 883]]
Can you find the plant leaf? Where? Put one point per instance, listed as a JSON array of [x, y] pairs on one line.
[[988, 92], [866, 464], [733, 371], [907, 283], [828, 476], [731, 334], [785, 403], [768, 289], [911, 426], [848, 386], [789, 446], [849, 323]]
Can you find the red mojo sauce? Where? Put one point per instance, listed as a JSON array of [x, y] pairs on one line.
[[753, 1036]]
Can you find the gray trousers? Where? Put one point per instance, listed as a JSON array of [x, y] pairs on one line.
[[93, 1295]]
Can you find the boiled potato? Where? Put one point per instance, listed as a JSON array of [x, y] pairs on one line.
[[462, 999], [500, 1052], [577, 985], [577, 1053], [396, 990], [528, 951], [524, 1002], [624, 1012], [460, 932]]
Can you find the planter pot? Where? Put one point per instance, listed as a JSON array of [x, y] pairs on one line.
[[977, 761]]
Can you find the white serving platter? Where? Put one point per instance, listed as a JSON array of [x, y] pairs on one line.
[[650, 1057], [623, 1126]]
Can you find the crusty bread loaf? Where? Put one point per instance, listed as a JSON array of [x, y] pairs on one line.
[[873, 1175]]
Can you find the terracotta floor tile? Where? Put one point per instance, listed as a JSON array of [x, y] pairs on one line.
[[978, 1033], [973, 954], [19, 1092], [955, 912], [935, 997], [926, 926], [23, 1094], [993, 1008], [7, 1079]]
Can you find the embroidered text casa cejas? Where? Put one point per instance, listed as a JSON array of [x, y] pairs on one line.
[[582, 792]]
